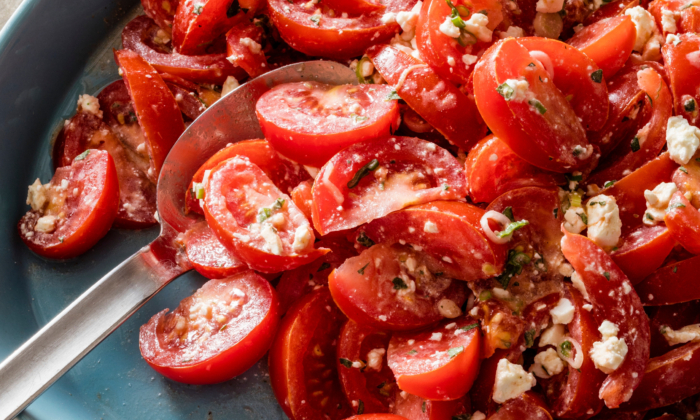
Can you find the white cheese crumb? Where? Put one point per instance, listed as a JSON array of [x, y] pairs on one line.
[[436, 336], [374, 359], [512, 32], [46, 224], [478, 415], [684, 335], [477, 25], [644, 22], [511, 381], [302, 236], [448, 308], [682, 139], [469, 59], [608, 329], [272, 239], [253, 46], [668, 22], [552, 336], [604, 224], [547, 364], [573, 219], [501, 293], [577, 282], [563, 313], [448, 28], [549, 6], [608, 354], [230, 84], [89, 104], [521, 90], [37, 195]]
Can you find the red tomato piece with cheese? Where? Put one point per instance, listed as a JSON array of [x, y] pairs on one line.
[[75, 210], [438, 101], [198, 23], [254, 219], [395, 288], [208, 256], [371, 179], [162, 12], [608, 42], [217, 333], [675, 317], [688, 181], [439, 363], [309, 122], [303, 197], [682, 61], [683, 221], [244, 49], [642, 250], [671, 284], [685, 16]]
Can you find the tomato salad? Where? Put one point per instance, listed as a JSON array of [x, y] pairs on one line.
[[500, 220]]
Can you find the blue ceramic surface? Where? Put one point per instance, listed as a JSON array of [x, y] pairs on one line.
[[50, 52]]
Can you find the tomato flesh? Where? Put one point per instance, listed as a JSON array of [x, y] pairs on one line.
[[208, 256], [674, 283], [608, 42], [243, 52], [680, 70], [683, 221], [643, 250], [198, 24], [416, 408]]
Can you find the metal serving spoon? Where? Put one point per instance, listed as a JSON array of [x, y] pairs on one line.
[[61, 343]]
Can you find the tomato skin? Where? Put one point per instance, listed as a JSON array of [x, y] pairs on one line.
[[197, 25], [528, 406], [89, 215], [210, 68], [208, 256], [156, 109], [308, 325], [670, 316], [234, 354], [412, 407], [290, 118], [680, 70], [446, 108], [376, 416], [303, 197], [162, 12], [254, 64], [683, 221], [671, 284], [189, 105], [643, 250], [688, 181], [634, 329], [440, 378], [608, 43], [610, 10], [489, 177], [367, 201]]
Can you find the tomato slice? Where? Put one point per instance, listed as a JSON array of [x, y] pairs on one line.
[[685, 16], [364, 374], [528, 406], [680, 67], [439, 50], [613, 299], [371, 179], [302, 360], [382, 288], [439, 363], [208, 256], [449, 234], [438, 101], [303, 280], [244, 53], [547, 134], [670, 316], [162, 12], [683, 221], [211, 68], [303, 197], [316, 31], [610, 10], [416, 408], [156, 110], [198, 24], [585, 90], [643, 250], [75, 210], [284, 173], [608, 42], [254, 219], [217, 333], [309, 122], [668, 379], [674, 283], [493, 169]]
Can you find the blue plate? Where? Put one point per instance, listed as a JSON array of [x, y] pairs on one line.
[[50, 52]]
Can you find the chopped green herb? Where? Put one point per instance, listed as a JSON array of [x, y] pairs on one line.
[[316, 19], [635, 144], [454, 351], [362, 270], [345, 362], [445, 187], [556, 213], [363, 172], [566, 347], [609, 184], [422, 408], [263, 214], [469, 327], [537, 105], [690, 105], [505, 90], [597, 76], [324, 266], [82, 155], [393, 95], [512, 227], [651, 101], [544, 369], [606, 275], [530, 338], [577, 178], [223, 328], [360, 407], [364, 240], [356, 119], [485, 295], [464, 416], [663, 329], [399, 284], [675, 269], [198, 9], [61, 238], [676, 206], [682, 169], [278, 204], [514, 266], [412, 352], [508, 212], [648, 216], [583, 217]]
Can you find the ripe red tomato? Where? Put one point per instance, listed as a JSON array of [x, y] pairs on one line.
[[371, 179], [493, 169], [670, 316], [439, 363], [217, 333], [155, 107], [680, 68], [608, 42], [284, 173], [686, 18], [303, 360], [198, 23], [376, 416], [688, 181], [610, 10], [683, 221], [673, 283], [189, 104], [309, 122], [303, 197], [254, 219], [528, 406], [245, 54], [162, 12], [438, 101], [416, 408], [393, 288], [75, 210], [643, 250], [208, 256]]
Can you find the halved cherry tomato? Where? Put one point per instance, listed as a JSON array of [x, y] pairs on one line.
[[688, 181], [371, 179], [254, 219], [393, 288], [245, 53], [613, 299], [211, 68], [542, 129], [162, 12], [217, 333], [156, 110], [303, 360], [528, 406], [75, 210], [683, 221], [668, 379], [208, 256], [643, 250], [316, 31], [681, 67], [448, 232], [439, 50], [416, 408], [309, 122], [364, 374], [438, 101], [198, 23], [493, 169], [608, 42], [670, 316], [303, 197], [284, 173], [439, 363], [674, 283]]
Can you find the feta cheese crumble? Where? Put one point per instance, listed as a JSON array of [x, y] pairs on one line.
[[448, 28], [89, 104], [37, 195], [573, 219], [682, 139], [657, 202], [684, 335], [520, 90], [511, 381], [302, 236], [604, 224], [668, 22], [608, 354], [374, 359], [46, 224], [563, 313], [552, 336], [512, 32], [477, 25], [644, 22], [253, 46], [547, 364], [273, 243]]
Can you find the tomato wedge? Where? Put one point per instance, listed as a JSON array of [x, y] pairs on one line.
[[198, 24], [608, 42], [674, 283], [208, 256], [254, 219], [75, 210], [393, 288], [529, 406], [493, 169], [643, 250], [302, 360], [416, 408], [683, 221], [439, 363], [217, 333], [680, 68], [284, 173], [303, 197], [614, 300], [688, 181], [670, 316], [244, 49], [438, 101], [309, 122]]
